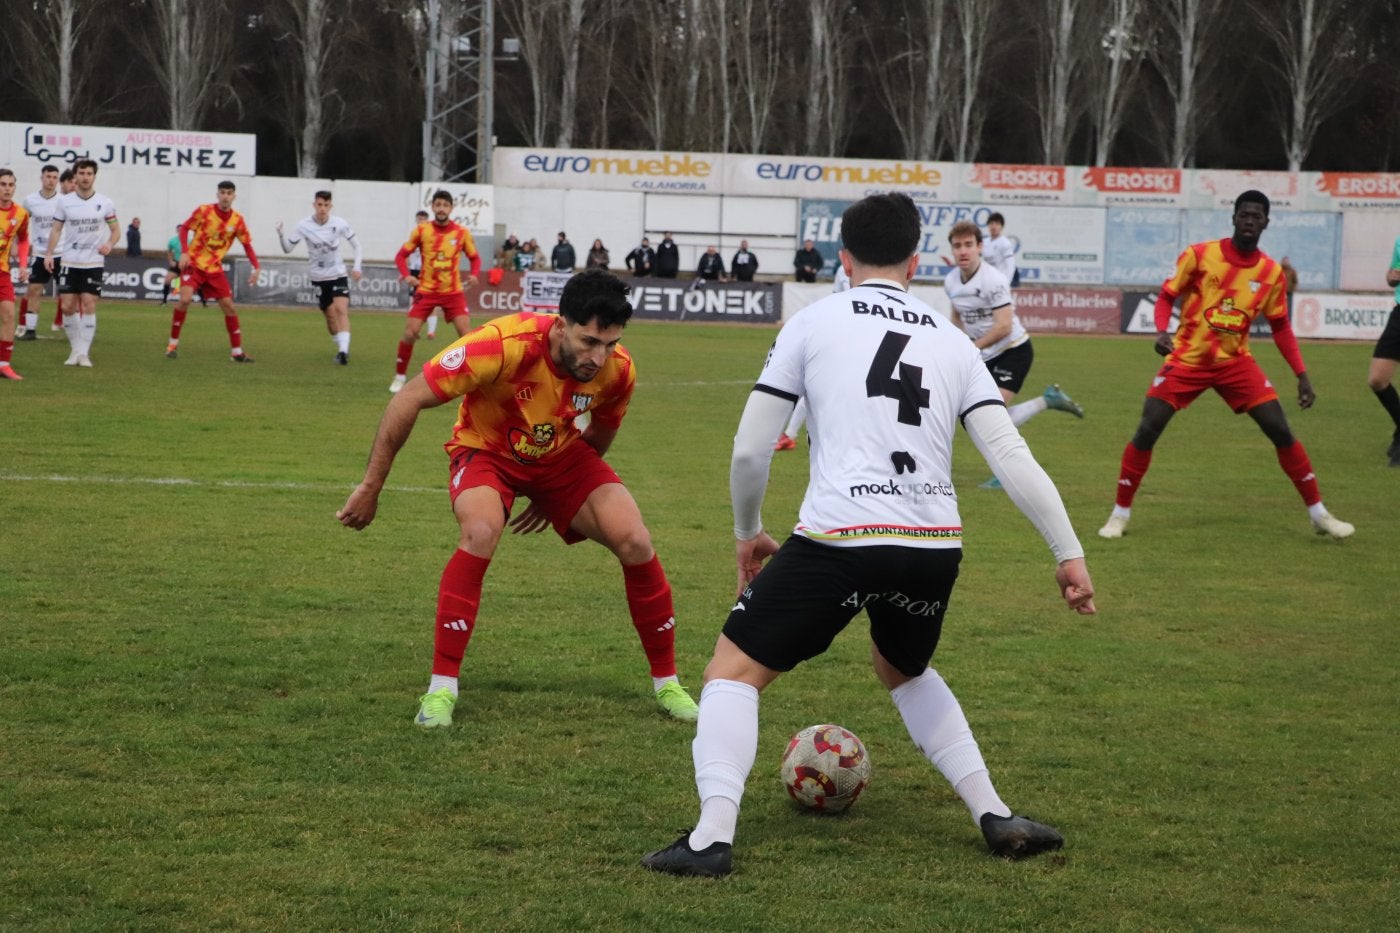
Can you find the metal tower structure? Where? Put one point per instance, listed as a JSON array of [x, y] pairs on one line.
[[458, 111]]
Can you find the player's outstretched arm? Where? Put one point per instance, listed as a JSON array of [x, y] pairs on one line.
[[394, 429], [1028, 485]]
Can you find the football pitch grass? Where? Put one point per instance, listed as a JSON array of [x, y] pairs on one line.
[[207, 684]]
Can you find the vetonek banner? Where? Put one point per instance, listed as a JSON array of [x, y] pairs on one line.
[[741, 302], [39, 144]]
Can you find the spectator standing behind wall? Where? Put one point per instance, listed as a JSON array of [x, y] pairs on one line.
[[808, 262], [642, 259], [711, 267], [598, 257], [745, 263], [133, 238], [563, 259], [668, 258]]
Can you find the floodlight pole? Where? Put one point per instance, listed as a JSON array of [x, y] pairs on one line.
[[459, 66]]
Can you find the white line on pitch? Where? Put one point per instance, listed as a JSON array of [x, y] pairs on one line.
[[182, 481]]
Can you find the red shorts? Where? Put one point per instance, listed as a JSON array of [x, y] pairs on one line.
[[211, 285], [7, 286], [453, 304], [1242, 384], [558, 486]]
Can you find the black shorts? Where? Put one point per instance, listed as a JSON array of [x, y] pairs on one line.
[[80, 281], [38, 275], [331, 289], [1388, 346], [1010, 368], [809, 592]]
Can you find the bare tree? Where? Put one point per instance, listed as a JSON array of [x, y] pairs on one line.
[[1321, 52], [44, 54], [910, 79], [825, 114], [190, 55], [1062, 53], [968, 113], [1183, 53], [570, 38], [758, 64], [317, 32], [1114, 70]]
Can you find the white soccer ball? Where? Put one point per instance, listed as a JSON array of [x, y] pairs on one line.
[[825, 768]]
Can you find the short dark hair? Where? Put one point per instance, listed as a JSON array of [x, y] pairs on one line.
[[48, 168], [595, 294], [67, 175], [882, 229], [1253, 197], [995, 218], [227, 185], [322, 196], [84, 163], [966, 228], [442, 194], [6, 173], [422, 214]]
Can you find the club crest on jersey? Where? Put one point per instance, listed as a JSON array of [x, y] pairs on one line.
[[581, 401], [529, 447], [1226, 319], [453, 358]]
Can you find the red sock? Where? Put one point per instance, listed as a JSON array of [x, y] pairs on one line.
[[653, 614], [1295, 463], [177, 321], [24, 305], [58, 314], [1130, 474], [6, 348], [459, 596], [235, 335], [405, 354]]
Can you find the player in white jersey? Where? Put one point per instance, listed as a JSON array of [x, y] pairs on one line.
[[999, 250], [41, 205], [981, 305], [888, 379], [84, 231], [323, 233]]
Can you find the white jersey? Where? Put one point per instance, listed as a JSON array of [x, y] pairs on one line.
[[841, 281], [323, 246], [975, 301], [41, 210], [85, 228], [887, 379], [1001, 253]]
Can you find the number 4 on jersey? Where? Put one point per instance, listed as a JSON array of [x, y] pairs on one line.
[[905, 386]]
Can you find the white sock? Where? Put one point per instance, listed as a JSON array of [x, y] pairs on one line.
[[87, 330], [31, 320], [658, 682], [726, 743], [1025, 411], [1120, 512], [432, 324], [70, 327], [438, 681], [1317, 510], [342, 341], [938, 727], [799, 415]]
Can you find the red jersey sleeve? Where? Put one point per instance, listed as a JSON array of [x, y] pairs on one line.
[[472, 360], [611, 410]]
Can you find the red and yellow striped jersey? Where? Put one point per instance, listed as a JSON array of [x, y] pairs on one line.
[[1224, 293], [209, 234], [442, 246], [514, 401], [14, 228]]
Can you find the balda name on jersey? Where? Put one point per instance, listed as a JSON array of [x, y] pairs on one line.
[[894, 314]]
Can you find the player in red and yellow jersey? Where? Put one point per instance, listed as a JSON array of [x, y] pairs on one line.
[[206, 238], [1224, 286], [441, 244], [524, 380], [14, 233]]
